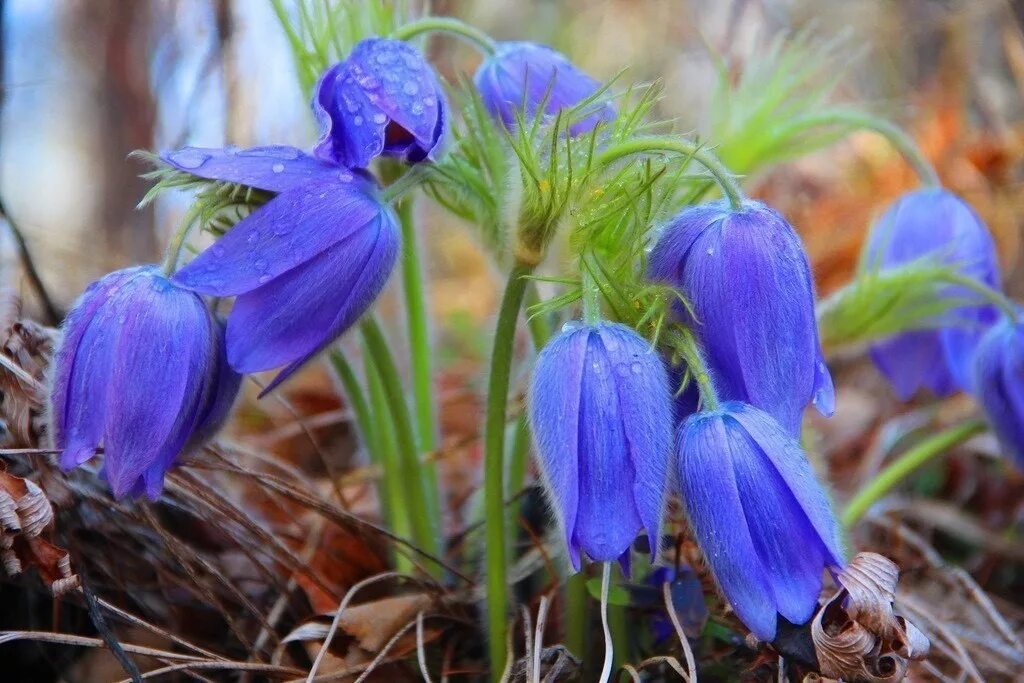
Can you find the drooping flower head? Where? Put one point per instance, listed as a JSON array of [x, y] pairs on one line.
[[138, 373], [999, 384], [384, 99], [601, 414], [758, 513], [522, 76], [746, 276], [934, 223], [304, 267]]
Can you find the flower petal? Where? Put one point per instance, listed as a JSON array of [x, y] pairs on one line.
[[914, 360], [555, 417], [291, 318], [645, 408], [291, 229], [715, 510], [274, 168]]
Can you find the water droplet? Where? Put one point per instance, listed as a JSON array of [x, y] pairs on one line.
[[430, 100], [417, 109], [357, 120], [322, 195], [345, 177], [379, 118], [636, 368], [369, 82], [277, 168], [188, 158], [272, 151], [252, 237], [410, 88], [711, 251], [572, 325], [264, 278]]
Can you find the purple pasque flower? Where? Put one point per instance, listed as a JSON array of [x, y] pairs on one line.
[[760, 516], [304, 267], [998, 366], [520, 77], [383, 99], [601, 413], [747, 279], [934, 223], [138, 373]]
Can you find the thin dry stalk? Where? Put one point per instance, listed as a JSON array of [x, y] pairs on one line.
[[691, 665]]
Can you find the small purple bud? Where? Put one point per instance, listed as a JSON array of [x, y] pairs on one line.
[[134, 374], [521, 76], [746, 276], [384, 99], [758, 513], [999, 384], [601, 414], [937, 223]]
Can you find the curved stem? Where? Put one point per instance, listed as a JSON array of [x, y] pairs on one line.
[[903, 143], [177, 242], [698, 368], [494, 464], [993, 296], [447, 25], [929, 449], [606, 669], [700, 153], [591, 292], [415, 488]]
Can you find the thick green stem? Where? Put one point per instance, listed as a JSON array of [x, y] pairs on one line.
[[418, 330], [591, 292], [447, 25], [924, 452], [355, 395], [576, 614], [177, 242], [694, 357], [494, 465], [412, 476], [903, 143], [700, 153]]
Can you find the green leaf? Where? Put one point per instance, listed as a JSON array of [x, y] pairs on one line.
[[617, 595]]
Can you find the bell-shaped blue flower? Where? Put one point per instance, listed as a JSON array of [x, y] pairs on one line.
[[522, 76], [999, 384], [758, 513], [601, 413], [384, 99], [747, 279], [304, 267], [934, 223], [138, 373]]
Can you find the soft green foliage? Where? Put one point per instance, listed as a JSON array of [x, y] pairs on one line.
[[881, 303], [757, 120], [321, 33]]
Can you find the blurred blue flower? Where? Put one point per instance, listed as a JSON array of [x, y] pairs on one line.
[[139, 371], [304, 267], [601, 414], [934, 222], [746, 276], [384, 99], [999, 384], [758, 513], [522, 76]]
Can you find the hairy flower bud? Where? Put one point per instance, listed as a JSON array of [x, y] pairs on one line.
[[522, 77], [601, 413], [999, 384], [758, 513], [384, 99], [139, 372], [746, 277], [934, 223]]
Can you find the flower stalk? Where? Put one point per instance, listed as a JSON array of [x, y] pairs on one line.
[[460, 29]]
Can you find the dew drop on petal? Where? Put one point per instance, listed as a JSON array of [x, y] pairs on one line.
[[188, 158], [263, 279], [357, 120], [277, 168], [345, 177], [572, 325], [636, 368], [379, 118], [410, 88]]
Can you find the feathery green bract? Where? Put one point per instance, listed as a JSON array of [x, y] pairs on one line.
[[321, 33], [883, 303], [755, 121]]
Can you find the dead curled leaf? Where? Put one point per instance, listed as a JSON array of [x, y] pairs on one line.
[[858, 636], [27, 348]]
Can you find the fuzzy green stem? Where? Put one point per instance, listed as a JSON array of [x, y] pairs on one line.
[[177, 242], [995, 297], [590, 291], [447, 25], [576, 614], [412, 477], [903, 143], [404, 183], [694, 358], [494, 464], [700, 153], [924, 452]]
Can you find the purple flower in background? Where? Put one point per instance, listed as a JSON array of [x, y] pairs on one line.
[[521, 76], [304, 267], [601, 414], [746, 276], [138, 372], [758, 513], [384, 99], [934, 222], [999, 384]]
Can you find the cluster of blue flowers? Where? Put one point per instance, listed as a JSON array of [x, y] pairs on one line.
[[147, 372]]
